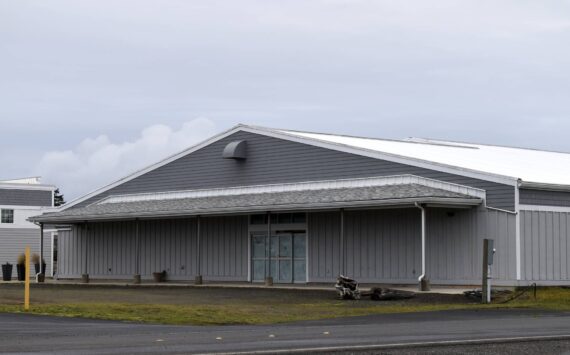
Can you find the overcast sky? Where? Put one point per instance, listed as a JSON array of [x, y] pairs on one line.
[[90, 90]]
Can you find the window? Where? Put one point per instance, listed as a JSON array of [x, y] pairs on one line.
[[7, 216], [279, 218]]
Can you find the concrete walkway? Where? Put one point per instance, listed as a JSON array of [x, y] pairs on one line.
[[448, 290]]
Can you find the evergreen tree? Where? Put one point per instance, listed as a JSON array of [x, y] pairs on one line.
[[58, 198]]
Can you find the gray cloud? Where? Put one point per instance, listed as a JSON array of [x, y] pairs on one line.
[[482, 71]]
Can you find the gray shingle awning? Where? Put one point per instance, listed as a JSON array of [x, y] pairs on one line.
[[357, 197]]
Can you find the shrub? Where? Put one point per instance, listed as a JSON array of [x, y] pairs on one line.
[[35, 258], [21, 259]]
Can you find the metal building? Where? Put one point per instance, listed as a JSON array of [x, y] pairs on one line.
[[253, 203]]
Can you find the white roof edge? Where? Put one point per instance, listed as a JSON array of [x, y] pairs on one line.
[[299, 186], [501, 179], [30, 180], [507, 180], [20, 186], [471, 144]]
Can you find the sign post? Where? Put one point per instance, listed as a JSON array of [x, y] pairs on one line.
[[488, 256], [27, 282]]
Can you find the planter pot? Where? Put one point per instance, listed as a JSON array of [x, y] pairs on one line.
[[85, 278], [37, 267], [21, 270], [159, 276], [40, 278], [7, 272], [137, 279]]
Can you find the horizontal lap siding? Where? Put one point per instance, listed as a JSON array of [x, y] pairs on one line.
[[545, 198], [271, 160], [545, 246], [166, 245], [385, 245], [13, 242], [22, 197]]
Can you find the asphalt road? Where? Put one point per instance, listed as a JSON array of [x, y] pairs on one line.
[[395, 333]]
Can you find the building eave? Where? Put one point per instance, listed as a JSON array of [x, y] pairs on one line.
[[433, 202]]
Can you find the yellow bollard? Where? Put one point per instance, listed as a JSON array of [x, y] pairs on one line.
[[27, 286]]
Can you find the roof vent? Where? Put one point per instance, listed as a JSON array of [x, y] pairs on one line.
[[235, 150]]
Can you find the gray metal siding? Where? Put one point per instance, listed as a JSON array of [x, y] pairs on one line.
[[13, 242], [271, 160], [544, 197], [385, 245], [17, 197], [381, 246], [545, 246], [169, 245]]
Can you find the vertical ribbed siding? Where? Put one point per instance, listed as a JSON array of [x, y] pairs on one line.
[[545, 246], [224, 248], [166, 245], [323, 243], [385, 245]]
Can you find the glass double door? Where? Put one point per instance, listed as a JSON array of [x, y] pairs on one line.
[[284, 257]]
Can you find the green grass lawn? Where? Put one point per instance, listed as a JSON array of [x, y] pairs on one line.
[[218, 314], [272, 310]]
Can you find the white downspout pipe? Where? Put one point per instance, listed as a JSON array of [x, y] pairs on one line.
[[423, 275]]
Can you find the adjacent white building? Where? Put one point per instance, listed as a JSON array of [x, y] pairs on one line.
[[19, 200]]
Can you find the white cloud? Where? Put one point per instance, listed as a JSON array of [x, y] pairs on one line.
[[98, 161]]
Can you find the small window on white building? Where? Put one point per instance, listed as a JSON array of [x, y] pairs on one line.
[[7, 216]]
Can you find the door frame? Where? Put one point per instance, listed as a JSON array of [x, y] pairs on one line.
[[289, 227]]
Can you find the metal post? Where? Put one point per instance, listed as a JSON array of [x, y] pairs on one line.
[[489, 285], [137, 277], [268, 277], [85, 276], [342, 251], [488, 256], [198, 279]]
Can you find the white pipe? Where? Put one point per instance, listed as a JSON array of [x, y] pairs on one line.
[[423, 275]]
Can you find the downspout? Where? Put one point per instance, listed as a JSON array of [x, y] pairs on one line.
[[421, 278], [268, 277], [137, 276]]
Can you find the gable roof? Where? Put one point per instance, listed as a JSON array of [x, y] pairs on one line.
[[486, 162]]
